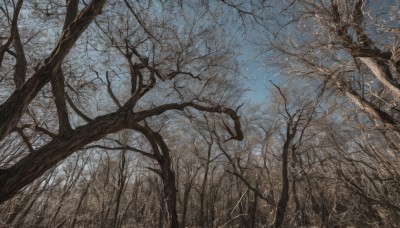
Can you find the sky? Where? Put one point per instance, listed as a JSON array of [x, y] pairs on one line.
[[254, 74], [254, 70]]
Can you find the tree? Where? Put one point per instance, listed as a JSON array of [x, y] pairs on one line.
[[352, 49], [149, 57], [129, 113]]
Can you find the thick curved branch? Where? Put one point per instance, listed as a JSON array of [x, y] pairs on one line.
[[60, 147], [64, 144], [158, 146], [14, 107], [58, 90], [57, 79], [181, 106], [21, 63]]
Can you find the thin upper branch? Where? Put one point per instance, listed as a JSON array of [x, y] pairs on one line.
[[76, 109], [140, 21], [14, 27], [256, 191], [110, 91]]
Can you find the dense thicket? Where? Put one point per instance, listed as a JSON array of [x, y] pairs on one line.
[[133, 114]]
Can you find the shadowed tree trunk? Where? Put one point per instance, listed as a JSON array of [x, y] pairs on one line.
[[186, 194], [78, 207], [170, 191], [253, 209], [121, 186], [162, 156], [284, 195]]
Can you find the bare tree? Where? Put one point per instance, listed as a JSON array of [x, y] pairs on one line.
[[159, 64]]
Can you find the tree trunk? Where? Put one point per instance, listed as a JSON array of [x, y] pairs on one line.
[[121, 186], [284, 198], [188, 187], [81, 198], [170, 190], [162, 210], [253, 210], [202, 218]]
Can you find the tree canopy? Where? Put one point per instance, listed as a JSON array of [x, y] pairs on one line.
[[135, 113]]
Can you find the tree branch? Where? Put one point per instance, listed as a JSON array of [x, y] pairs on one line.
[[21, 63], [122, 148], [111, 93], [14, 27], [76, 109], [256, 191], [181, 106], [20, 131], [14, 107], [58, 90]]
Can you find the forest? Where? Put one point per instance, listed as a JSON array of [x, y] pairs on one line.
[[149, 113]]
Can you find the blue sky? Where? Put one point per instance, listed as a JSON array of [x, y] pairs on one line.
[[254, 74]]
